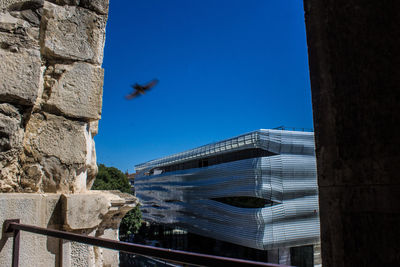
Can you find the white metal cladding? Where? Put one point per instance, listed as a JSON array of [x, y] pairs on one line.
[[276, 141], [185, 198]]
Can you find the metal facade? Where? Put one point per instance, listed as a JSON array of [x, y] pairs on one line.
[[287, 180]]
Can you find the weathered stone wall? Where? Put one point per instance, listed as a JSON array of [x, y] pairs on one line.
[[50, 103], [50, 93]]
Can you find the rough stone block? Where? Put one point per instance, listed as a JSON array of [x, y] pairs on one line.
[[55, 155], [4, 4], [11, 132], [11, 144], [10, 23], [103, 209], [84, 211], [78, 90], [51, 135], [94, 127], [73, 33], [28, 42], [20, 74], [99, 6], [29, 15], [19, 29], [24, 4]]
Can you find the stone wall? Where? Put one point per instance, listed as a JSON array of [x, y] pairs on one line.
[[95, 213], [50, 103], [50, 93]]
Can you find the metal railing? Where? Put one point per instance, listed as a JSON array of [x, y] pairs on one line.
[[288, 128], [181, 257]]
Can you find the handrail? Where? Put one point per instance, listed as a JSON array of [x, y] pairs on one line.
[[302, 129], [183, 257]]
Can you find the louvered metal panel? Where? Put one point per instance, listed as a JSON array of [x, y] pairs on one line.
[[186, 198]]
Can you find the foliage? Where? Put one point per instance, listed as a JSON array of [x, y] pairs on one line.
[[110, 178], [131, 222]]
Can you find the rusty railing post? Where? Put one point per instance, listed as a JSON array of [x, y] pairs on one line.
[[16, 239]]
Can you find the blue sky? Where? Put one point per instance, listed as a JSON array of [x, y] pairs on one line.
[[225, 67]]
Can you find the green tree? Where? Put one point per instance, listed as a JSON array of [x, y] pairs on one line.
[[131, 222], [110, 178]]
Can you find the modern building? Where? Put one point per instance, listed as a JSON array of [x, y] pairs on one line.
[[257, 190]]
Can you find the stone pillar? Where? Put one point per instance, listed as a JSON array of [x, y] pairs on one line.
[[50, 103], [354, 59], [50, 94]]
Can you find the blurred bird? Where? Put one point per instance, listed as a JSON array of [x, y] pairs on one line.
[[141, 89]]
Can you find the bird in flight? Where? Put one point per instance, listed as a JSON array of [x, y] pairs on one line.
[[141, 89]]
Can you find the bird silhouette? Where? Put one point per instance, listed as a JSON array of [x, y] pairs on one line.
[[141, 89]]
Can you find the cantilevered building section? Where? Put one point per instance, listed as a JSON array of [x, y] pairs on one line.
[[257, 190]]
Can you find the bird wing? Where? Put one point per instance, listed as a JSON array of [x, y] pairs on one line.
[[150, 85], [140, 89], [132, 95]]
